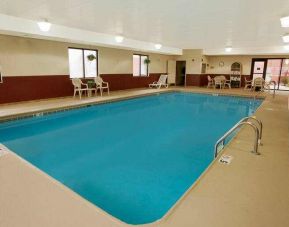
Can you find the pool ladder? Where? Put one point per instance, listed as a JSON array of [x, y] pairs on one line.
[[254, 123]]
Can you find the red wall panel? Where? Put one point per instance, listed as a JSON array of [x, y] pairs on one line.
[[200, 80], [25, 88]]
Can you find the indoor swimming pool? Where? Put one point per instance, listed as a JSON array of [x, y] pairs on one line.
[[135, 158]]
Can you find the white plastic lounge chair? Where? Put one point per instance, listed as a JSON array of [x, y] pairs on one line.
[[101, 85], [79, 87], [210, 82], [162, 82]]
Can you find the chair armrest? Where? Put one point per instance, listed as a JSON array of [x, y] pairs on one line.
[[84, 84], [105, 82]]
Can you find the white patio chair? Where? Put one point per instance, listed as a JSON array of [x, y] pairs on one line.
[[248, 84], [210, 82], [226, 82], [258, 83], [79, 87], [101, 85], [162, 82], [218, 82]]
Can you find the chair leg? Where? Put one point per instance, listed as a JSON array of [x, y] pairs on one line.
[[74, 93], [108, 90]]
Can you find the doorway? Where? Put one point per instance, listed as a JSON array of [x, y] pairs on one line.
[[272, 69], [258, 68], [284, 76], [180, 73]]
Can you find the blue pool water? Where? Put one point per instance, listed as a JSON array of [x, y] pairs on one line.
[[134, 158]]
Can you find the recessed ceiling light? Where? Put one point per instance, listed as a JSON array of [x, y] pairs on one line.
[[286, 47], [119, 39], [158, 46], [285, 22], [228, 49], [44, 25], [285, 38]]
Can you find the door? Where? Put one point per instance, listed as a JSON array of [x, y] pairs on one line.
[[171, 70], [258, 68], [284, 77], [273, 71], [180, 73]]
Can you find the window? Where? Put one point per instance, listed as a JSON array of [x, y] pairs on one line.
[[140, 67], [82, 63]]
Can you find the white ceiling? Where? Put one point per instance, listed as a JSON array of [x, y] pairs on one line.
[[186, 24]]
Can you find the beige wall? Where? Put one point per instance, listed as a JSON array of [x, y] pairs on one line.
[[214, 61], [193, 60], [26, 56], [21, 56]]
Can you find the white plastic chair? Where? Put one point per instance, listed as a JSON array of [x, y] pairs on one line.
[[259, 82], [248, 84], [210, 82], [101, 85], [79, 87], [226, 82], [162, 82], [218, 81]]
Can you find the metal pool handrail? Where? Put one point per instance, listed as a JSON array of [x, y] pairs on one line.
[[274, 90], [259, 123], [267, 87], [235, 127]]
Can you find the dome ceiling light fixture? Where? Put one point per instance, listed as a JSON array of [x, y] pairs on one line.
[[158, 46], [228, 49], [285, 22], [44, 25], [119, 39], [285, 38]]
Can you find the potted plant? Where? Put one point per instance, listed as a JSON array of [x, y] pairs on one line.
[[147, 61], [91, 57], [90, 83]]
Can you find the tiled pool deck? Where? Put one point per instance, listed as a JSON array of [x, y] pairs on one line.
[[252, 191]]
